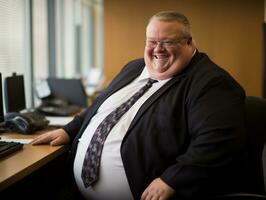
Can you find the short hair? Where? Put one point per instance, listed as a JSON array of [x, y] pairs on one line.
[[170, 16]]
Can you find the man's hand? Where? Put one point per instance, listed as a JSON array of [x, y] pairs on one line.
[[55, 137], [157, 190]]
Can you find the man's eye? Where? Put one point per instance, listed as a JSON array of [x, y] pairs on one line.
[[152, 42], [168, 43]]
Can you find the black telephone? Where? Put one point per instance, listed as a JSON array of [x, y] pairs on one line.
[[25, 123]]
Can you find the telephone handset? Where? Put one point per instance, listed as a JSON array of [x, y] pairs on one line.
[[25, 122]]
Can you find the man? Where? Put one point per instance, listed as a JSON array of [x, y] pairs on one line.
[[181, 139]]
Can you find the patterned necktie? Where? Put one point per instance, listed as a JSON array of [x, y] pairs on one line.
[[90, 168]]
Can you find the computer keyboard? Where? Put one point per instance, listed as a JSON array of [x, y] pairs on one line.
[[7, 148]]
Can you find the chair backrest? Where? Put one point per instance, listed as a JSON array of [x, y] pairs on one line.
[[256, 137], [264, 164]]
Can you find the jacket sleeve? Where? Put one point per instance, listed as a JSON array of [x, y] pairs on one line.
[[74, 126], [215, 120]]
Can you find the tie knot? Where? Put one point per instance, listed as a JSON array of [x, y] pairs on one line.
[[150, 82]]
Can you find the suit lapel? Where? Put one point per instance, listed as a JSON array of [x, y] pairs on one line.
[[154, 98]]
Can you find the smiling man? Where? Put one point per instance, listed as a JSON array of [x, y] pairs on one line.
[[169, 47], [169, 126]]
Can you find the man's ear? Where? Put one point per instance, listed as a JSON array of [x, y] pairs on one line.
[[189, 41]]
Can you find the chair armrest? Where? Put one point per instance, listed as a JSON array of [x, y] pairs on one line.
[[239, 196]]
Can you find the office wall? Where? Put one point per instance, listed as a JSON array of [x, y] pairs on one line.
[[229, 31]]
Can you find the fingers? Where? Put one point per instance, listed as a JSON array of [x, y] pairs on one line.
[[56, 141], [157, 190], [150, 194], [42, 139], [144, 194], [56, 137]]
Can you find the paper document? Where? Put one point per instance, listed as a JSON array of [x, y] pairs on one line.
[[23, 141], [58, 121]]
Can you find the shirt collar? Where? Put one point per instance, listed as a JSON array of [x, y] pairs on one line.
[[144, 75], [194, 52]]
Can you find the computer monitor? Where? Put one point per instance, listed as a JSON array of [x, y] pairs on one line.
[[1, 101], [72, 90], [14, 93]]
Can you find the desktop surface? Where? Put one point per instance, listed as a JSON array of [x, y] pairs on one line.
[[22, 163]]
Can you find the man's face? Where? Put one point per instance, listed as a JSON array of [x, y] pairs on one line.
[[167, 51]]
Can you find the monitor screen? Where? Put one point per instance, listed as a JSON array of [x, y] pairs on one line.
[[1, 101], [71, 90], [14, 93], [42, 89]]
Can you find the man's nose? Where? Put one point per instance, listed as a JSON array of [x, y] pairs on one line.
[[159, 46]]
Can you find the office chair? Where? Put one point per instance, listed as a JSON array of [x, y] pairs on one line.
[[255, 124]]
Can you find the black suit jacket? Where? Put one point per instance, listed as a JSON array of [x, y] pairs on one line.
[[189, 133]]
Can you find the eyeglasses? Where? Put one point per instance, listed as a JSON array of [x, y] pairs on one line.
[[165, 43]]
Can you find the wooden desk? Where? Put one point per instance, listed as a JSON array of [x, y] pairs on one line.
[[22, 163]]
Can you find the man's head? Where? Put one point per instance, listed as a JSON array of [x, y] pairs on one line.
[[169, 46]]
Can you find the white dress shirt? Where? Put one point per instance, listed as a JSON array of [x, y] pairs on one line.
[[112, 183]]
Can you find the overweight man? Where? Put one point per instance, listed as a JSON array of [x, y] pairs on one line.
[[169, 126]]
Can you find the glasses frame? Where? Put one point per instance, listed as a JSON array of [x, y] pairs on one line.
[[165, 43]]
